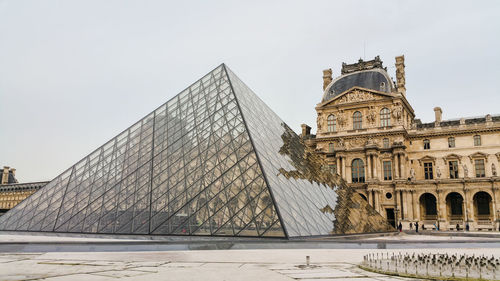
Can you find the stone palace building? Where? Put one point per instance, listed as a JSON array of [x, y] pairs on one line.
[[439, 174]]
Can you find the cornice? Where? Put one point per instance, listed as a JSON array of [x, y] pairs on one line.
[[424, 134]]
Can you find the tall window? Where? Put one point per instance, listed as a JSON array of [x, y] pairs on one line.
[[357, 120], [427, 144], [358, 170], [428, 171], [479, 164], [451, 142], [332, 123], [331, 148], [453, 165], [477, 140], [387, 170], [385, 117], [386, 143]]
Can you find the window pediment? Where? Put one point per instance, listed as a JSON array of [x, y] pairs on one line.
[[451, 157], [479, 155], [427, 158]]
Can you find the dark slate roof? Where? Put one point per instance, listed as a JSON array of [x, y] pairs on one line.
[[375, 79], [22, 186], [456, 122]]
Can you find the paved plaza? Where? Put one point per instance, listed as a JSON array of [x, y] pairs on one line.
[[251, 264]]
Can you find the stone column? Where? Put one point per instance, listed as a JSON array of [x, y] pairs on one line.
[[369, 196], [396, 166], [338, 166], [369, 167], [409, 201], [416, 206], [343, 169], [403, 166], [494, 202], [405, 204], [377, 201]]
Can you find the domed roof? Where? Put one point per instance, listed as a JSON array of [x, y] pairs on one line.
[[375, 79]]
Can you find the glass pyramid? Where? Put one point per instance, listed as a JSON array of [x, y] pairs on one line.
[[208, 162]]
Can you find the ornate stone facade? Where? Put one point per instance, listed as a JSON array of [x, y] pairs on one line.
[[440, 174], [12, 192]]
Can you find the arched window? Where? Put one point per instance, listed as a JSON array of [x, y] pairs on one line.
[[358, 170], [385, 117], [357, 120], [332, 123]]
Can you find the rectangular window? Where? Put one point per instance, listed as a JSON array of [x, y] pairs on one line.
[[387, 170], [451, 142], [427, 144], [331, 148], [453, 169], [332, 168], [428, 171], [477, 140], [479, 164]]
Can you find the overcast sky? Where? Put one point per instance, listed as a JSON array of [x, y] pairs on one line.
[[73, 74]]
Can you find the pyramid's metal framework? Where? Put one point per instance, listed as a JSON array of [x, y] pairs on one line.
[[205, 163]]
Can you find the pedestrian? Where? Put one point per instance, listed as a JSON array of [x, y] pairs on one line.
[[400, 227], [458, 227], [423, 226], [411, 226], [416, 226], [467, 227]]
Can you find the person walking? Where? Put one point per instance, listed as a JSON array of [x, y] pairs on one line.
[[416, 226], [400, 227], [458, 227], [411, 226]]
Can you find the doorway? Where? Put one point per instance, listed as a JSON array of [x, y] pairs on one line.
[[390, 217]]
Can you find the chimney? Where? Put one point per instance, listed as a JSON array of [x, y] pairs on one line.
[[400, 74], [5, 175], [438, 113], [306, 130], [327, 78]]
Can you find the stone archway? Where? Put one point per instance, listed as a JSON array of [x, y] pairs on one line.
[[428, 207], [455, 208], [483, 207]]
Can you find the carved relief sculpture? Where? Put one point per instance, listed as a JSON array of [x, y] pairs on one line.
[[319, 120], [341, 119], [371, 117], [397, 112], [355, 96], [412, 174], [493, 169], [341, 143], [438, 172], [466, 171]]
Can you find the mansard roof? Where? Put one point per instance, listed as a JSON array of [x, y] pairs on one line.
[[375, 79]]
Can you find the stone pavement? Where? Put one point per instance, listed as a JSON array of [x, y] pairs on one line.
[[326, 264], [188, 265], [207, 265]]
